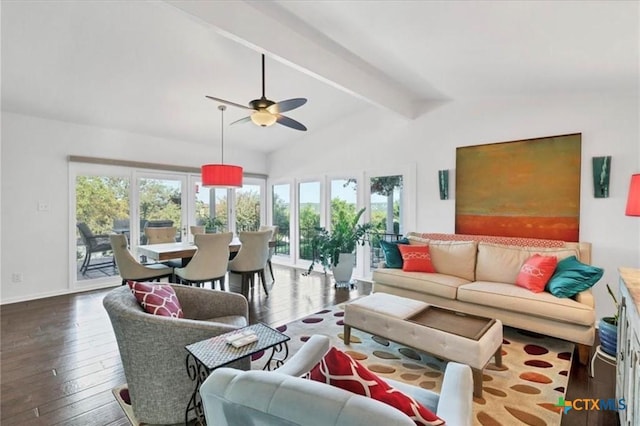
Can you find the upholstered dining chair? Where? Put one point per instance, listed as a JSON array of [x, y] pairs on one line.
[[251, 259], [152, 347], [197, 229], [272, 250], [210, 261], [93, 244], [285, 398], [130, 268], [159, 235]]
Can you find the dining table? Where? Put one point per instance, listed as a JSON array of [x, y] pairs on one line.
[[182, 250]]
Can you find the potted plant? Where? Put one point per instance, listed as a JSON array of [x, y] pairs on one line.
[[212, 224], [608, 329], [335, 249]]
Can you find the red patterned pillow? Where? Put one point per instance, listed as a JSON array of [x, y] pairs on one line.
[[338, 369], [157, 299], [536, 272], [416, 258]]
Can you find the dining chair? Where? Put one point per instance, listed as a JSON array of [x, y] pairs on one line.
[[272, 250], [251, 259], [130, 268], [210, 261], [195, 230], [160, 235], [93, 244]]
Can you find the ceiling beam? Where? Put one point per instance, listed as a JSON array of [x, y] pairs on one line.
[[267, 28]]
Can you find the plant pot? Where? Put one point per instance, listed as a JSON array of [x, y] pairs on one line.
[[608, 333], [343, 270]]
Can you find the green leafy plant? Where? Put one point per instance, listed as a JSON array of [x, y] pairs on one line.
[[345, 236], [212, 224], [615, 301]]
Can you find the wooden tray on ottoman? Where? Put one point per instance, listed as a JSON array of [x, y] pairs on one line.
[[458, 323]]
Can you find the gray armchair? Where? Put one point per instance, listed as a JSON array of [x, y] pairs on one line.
[[286, 399], [152, 347]]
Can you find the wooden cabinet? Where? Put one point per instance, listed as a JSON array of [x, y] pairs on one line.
[[628, 357]]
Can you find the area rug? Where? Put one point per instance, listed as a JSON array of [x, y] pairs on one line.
[[524, 391]]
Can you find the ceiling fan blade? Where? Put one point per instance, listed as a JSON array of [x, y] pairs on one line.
[[229, 103], [242, 120], [290, 122], [287, 105]]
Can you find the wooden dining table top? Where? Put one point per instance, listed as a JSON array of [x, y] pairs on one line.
[[166, 251]]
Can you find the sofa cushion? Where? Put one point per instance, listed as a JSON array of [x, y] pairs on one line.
[[536, 271], [572, 276], [338, 369], [417, 241], [502, 264], [157, 299], [513, 298], [392, 256], [423, 282], [457, 258], [416, 259]]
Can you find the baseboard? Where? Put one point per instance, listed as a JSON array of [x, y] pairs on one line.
[[61, 292]]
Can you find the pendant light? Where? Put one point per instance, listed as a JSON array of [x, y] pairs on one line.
[[221, 175]]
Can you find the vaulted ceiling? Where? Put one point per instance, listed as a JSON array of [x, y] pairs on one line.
[[146, 67]]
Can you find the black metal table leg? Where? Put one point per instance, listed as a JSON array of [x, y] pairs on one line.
[[198, 373], [277, 361]]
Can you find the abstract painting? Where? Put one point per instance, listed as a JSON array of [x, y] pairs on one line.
[[528, 188]]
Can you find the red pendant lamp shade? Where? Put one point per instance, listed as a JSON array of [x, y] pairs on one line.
[[633, 202], [222, 175]]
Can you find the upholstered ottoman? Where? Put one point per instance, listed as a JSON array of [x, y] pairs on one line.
[[441, 332]]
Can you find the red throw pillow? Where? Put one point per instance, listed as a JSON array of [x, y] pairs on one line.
[[416, 258], [536, 272], [338, 369], [157, 299]]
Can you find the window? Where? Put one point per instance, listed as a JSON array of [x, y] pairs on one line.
[[308, 216], [281, 217]]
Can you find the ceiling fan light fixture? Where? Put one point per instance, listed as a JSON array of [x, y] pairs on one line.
[[263, 118]]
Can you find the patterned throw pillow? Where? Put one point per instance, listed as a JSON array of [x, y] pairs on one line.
[[157, 299], [392, 256], [536, 272], [340, 370], [416, 258], [572, 277]]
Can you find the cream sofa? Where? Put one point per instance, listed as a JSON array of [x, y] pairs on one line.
[[477, 274]]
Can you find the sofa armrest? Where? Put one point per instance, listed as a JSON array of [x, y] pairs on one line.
[[307, 357], [586, 298], [455, 405], [204, 304]]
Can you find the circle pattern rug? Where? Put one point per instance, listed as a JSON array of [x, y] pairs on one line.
[[524, 391]]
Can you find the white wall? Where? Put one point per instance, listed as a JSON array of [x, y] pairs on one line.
[[609, 126], [35, 167]]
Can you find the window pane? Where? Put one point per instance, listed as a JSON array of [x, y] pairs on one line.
[[211, 200], [282, 216], [160, 204], [102, 207], [248, 208], [309, 216], [385, 204]]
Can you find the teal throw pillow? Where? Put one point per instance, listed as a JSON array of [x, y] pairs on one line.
[[572, 276], [392, 256]]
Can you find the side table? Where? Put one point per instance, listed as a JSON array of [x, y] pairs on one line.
[[205, 356]]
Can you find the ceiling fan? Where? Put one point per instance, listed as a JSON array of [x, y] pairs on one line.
[[266, 112]]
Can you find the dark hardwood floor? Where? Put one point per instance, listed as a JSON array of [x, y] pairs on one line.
[[59, 357]]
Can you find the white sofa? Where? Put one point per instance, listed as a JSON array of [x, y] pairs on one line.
[[234, 397], [476, 275]]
